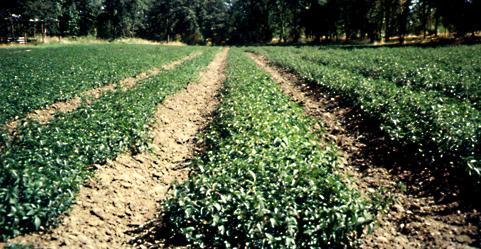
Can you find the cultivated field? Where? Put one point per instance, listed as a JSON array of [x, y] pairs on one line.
[[424, 100], [145, 146]]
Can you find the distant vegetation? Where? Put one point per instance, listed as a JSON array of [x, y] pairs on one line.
[[239, 21]]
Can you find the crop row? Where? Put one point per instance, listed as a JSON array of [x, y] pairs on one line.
[[264, 180], [453, 58], [452, 72], [44, 166], [36, 77], [435, 128]]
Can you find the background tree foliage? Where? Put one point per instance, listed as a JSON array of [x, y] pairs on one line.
[[240, 21]]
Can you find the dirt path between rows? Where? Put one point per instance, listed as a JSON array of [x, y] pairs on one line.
[[125, 193], [47, 114], [419, 217]]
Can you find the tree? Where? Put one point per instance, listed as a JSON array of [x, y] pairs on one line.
[[171, 18], [460, 16], [249, 21], [403, 19], [88, 10], [69, 21], [45, 12], [122, 18], [240, 21], [212, 17], [10, 12]]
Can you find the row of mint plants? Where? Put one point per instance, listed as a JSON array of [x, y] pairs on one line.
[[436, 129], [456, 58], [44, 166], [33, 78], [264, 180], [411, 67]]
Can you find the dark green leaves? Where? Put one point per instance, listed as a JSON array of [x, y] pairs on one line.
[[34, 79], [263, 181], [45, 165], [439, 129]]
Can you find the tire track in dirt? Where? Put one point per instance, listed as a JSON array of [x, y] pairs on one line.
[[45, 115], [417, 218], [125, 193]]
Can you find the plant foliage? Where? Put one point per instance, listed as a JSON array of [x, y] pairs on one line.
[[43, 167], [36, 77], [438, 129], [264, 180], [452, 71]]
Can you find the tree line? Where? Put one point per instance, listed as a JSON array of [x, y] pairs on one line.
[[240, 21]]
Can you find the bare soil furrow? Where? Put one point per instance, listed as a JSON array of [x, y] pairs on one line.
[[420, 215], [45, 115], [125, 193]]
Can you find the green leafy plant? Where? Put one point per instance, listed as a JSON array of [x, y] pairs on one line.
[[36, 77], [433, 127], [449, 71], [264, 179], [45, 165]]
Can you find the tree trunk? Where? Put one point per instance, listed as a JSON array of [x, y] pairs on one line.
[[387, 20], [13, 28], [404, 20], [425, 18], [43, 31], [317, 38]]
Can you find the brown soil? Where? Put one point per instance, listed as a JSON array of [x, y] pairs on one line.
[[47, 114], [125, 193], [424, 211]]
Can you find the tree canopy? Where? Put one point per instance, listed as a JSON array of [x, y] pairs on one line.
[[239, 21]]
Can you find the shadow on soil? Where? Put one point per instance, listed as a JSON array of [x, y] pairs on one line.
[[155, 234], [449, 187]]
